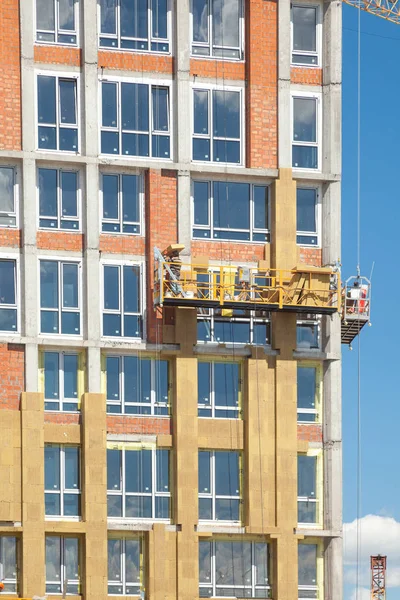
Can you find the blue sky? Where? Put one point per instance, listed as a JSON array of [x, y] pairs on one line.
[[380, 212]]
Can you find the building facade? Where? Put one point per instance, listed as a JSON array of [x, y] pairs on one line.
[[167, 454]]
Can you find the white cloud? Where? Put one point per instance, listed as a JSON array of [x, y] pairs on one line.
[[363, 594]]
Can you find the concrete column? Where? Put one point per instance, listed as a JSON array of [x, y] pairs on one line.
[[32, 484], [284, 60], [94, 459]]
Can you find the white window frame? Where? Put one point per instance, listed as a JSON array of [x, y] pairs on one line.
[[253, 586], [57, 30], [61, 260], [318, 216], [142, 297], [59, 75], [318, 499], [8, 581], [212, 403], [60, 169], [154, 403], [318, 53], [210, 227], [213, 496], [210, 88], [63, 489], [211, 45], [317, 588], [123, 583], [63, 567], [317, 97], [61, 399], [317, 410], [120, 221], [16, 189], [162, 83], [149, 38], [17, 305], [121, 492]]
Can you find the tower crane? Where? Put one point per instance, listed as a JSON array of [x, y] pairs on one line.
[[386, 9], [378, 577]]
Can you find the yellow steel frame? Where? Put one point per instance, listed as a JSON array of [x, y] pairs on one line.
[[305, 289], [386, 9]]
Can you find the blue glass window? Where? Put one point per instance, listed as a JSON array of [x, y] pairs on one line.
[[122, 304], [307, 233], [61, 381], [8, 214], [125, 566], [8, 296], [59, 297], [122, 203], [219, 486], [218, 389], [57, 113], [56, 21], [58, 199], [62, 481], [217, 28], [62, 565], [305, 133]]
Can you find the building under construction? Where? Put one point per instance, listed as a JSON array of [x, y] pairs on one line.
[[170, 328]]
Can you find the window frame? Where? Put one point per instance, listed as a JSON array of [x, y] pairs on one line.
[[63, 488], [59, 75], [213, 496], [57, 30], [318, 33], [212, 584], [317, 411], [121, 491], [123, 539], [212, 403], [317, 97], [149, 40], [211, 45], [120, 221], [210, 227], [150, 83], [153, 377], [318, 216], [79, 195], [63, 566], [16, 190], [318, 587], [17, 306], [60, 260], [210, 88], [61, 400], [309, 320], [319, 485], [8, 581]]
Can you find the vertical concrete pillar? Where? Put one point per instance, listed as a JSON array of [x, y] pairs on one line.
[[32, 484], [284, 60], [162, 563], [94, 459], [185, 432]]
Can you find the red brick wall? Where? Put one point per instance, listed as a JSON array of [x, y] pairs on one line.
[[310, 433], [58, 55], [122, 244], [144, 425], [310, 256], [214, 69], [161, 227], [10, 76], [306, 75], [12, 375], [128, 61], [10, 238], [261, 91], [59, 240], [228, 251], [62, 418]]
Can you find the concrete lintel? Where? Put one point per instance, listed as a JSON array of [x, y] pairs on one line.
[[318, 533], [317, 177], [132, 437], [212, 528]]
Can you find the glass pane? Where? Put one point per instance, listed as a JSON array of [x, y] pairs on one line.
[[71, 557], [201, 149], [307, 564], [306, 204], [226, 151], [134, 18], [49, 321], [51, 375], [7, 282], [138, 471], [231, 205], [137, 375], [227, 473], [226, 383], [112, 370], [45, 17], [304, 119], [108, 22], [113, 469], [162, 380], [72, 505], [200, 20], [231, 331], [232, 563], [260, 200], [48, 284], [110, 197], [70, 285], [226, 22], [306, 476], [200, 196], [71, 467], [112, 325], [111, 288], [261, 564], [204, 472], [304, 28], [67, 101], [109, 104], [46, 99], [226, 114], [307, 512], [9, 557], [205, 509], [204, 383], [130, 198], [114, 551], [306, 387], [305, 157], [69, 187], [52, 504], [68, 139], [114, 506], [200, 98], [53, 558], [48, 192], [66, 14], [6, 190], [159, 16], [205, 562], [132, 289], [138, 507], [52, 467], [307, 335], [160, 108], [162, 470], [132, 561], [70, 323], [135, 106], [226, 509], [70, 376]]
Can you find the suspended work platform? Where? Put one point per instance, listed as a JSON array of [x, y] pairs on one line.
[[303, 289], [356, 307]]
